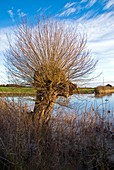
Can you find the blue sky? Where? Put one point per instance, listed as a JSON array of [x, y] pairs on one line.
[[93, 17]]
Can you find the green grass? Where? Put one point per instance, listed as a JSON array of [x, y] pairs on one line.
[[86, 90], [32, 91], [17, 90]]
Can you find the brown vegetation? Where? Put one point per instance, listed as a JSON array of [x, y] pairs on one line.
[[104, 89], [71, 141]]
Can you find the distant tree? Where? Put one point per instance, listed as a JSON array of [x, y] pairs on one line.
[[109, 85], [14, 85], [49, 56]]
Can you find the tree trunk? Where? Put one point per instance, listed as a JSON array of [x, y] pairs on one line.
[[44, 104], [46, 97]]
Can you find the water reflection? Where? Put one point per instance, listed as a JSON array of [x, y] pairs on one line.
[[102, 95], [85, 102], [28, 101], [76, 102]]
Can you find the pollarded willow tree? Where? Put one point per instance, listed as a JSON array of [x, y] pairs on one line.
[[49, 56]]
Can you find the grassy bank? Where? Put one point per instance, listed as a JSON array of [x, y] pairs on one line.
[[86, 90], [32, 91], [17, 91], [68, 142]]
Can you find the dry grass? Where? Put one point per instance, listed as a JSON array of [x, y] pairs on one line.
[[66, 143]]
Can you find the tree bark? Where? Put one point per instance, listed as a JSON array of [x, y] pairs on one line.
[[44, 104]]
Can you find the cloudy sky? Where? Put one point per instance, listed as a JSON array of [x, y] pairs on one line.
[[93, 17]]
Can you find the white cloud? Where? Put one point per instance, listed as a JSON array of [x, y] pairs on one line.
[[11, 14], [21, 14], [3, 47], [99, 28], [83, 1], [3, 39], [68, 9], [100, 33], [68, 12], [68, 5], [91, 3], [3, 75], [109, 4]]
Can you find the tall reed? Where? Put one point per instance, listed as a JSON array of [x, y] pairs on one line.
[[68, 142]]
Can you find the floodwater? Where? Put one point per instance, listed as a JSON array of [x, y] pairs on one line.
[[75, 102]]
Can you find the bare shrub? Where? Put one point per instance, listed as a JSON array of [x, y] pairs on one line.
[[103, 89]]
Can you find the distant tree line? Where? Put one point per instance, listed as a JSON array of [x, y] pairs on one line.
[[14, 85]]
